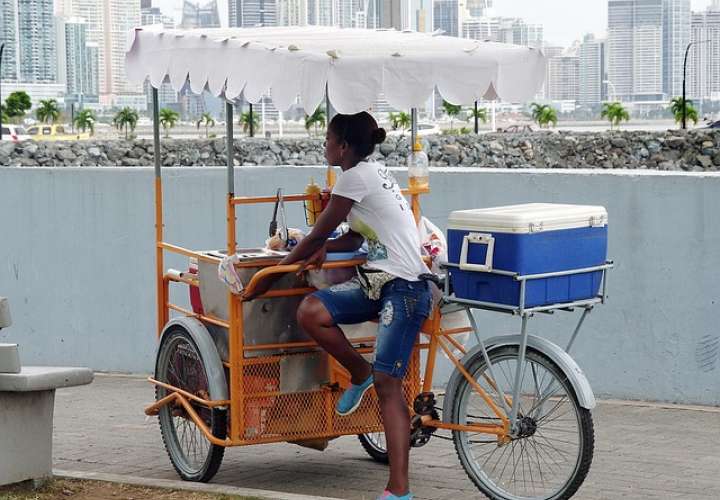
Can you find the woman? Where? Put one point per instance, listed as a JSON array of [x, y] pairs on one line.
[[388, 287]]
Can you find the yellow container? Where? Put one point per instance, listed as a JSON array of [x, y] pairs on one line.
[[313, 207]]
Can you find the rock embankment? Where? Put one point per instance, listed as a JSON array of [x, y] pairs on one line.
[[697, 150]]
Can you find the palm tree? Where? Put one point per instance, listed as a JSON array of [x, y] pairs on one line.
[[400, 120], [48, 111], [543, 114], [168, 119], [85, 120], [124, 119], [676, 107], [245, 121], [548, 116], [317, 118], [452, 110], [615, 112], [207, 120]]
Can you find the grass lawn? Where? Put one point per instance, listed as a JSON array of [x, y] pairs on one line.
[[101, 490]]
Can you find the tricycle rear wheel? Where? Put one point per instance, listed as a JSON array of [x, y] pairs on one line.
[[180, 364], [375, 446]]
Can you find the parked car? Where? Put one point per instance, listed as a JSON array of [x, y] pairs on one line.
[[54, 133], [423, 129], [515, 129], [14, 133]]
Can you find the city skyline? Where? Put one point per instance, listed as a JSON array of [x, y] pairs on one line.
[[577, 19]]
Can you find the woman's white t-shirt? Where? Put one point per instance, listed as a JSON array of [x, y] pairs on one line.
[[382, 215]]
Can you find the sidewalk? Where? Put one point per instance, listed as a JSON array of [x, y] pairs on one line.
[[641, 452]]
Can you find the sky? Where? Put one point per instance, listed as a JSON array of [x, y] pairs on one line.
[[564, 20]]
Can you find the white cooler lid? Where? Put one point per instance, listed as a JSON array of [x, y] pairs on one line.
[[528, 218]]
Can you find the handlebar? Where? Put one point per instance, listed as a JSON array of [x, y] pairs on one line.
[[294, 268]]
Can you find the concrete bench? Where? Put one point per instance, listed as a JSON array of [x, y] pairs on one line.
[[27, 397]]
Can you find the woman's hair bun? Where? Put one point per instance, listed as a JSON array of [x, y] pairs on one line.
[[379, 135]]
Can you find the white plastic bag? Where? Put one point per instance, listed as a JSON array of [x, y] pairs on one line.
[[433, 243]]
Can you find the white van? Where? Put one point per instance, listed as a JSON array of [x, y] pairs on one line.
[[14, 133]]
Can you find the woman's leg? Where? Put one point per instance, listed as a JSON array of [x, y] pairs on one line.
[[396, 420], [314, 318]]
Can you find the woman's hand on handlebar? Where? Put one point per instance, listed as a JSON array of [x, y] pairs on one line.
[[263, 285], [315, 260]]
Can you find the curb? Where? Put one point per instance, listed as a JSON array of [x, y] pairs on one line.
[[185, 485]]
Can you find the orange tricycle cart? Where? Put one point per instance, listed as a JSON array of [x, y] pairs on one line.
[[235, 373]]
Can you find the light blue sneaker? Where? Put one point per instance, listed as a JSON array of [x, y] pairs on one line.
[[352, 397], [389, 496]]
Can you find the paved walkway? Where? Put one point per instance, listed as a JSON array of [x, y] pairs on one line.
[[642, 451]]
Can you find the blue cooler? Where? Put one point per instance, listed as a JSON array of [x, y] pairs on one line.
[[534, 238]]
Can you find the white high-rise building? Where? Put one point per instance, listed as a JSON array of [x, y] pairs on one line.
[[28, 30], [703, 72], [292, 12], [446, 16], [504, 30], [249, 13], [479, 8], [108, 23], [563, 81], [592, 71], [8, 34], [197, 15], [73, 33], [676, 36], [635, 49], [321, 12]]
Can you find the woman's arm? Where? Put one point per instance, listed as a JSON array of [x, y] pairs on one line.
[[348, 242], [336, 212]]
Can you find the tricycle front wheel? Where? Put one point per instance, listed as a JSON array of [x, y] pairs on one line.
[[549, 458], [180, 364]]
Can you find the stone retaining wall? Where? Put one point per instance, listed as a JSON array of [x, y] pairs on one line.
[[697, 150]]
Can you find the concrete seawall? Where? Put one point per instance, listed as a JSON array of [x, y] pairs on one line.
[[77, 263]]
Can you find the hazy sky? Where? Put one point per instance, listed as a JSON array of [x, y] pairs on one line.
[[564, 20]]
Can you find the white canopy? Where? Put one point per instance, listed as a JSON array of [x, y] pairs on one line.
[[356, 64]]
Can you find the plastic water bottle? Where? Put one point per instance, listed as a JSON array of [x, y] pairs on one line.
[[418, 169]]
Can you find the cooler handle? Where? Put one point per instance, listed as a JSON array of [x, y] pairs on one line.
[[478, 239]]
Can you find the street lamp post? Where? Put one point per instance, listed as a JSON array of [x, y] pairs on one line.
[[608, 82], [2, 47], [684, 103]]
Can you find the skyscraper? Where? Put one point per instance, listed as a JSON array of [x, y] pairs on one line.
[[27, 27], [446, 17], [479, 8], [563, 82], [592, 71], [153, 15], [635, 49], [292, 12], [108, 22], [196, 15], [75, 47], [704, 59], [320, 12], [676, 36], [249, 13], [8, 34]]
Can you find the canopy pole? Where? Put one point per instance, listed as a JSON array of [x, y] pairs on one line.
[[230, 148], [156, 130], [329, 110], [160, 284], [251, 124], [476, 118], [413, 127]]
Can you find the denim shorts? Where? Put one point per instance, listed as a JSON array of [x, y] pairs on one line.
[[401, 311]]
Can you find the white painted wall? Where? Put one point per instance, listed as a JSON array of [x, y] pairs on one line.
[[77, 262]]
